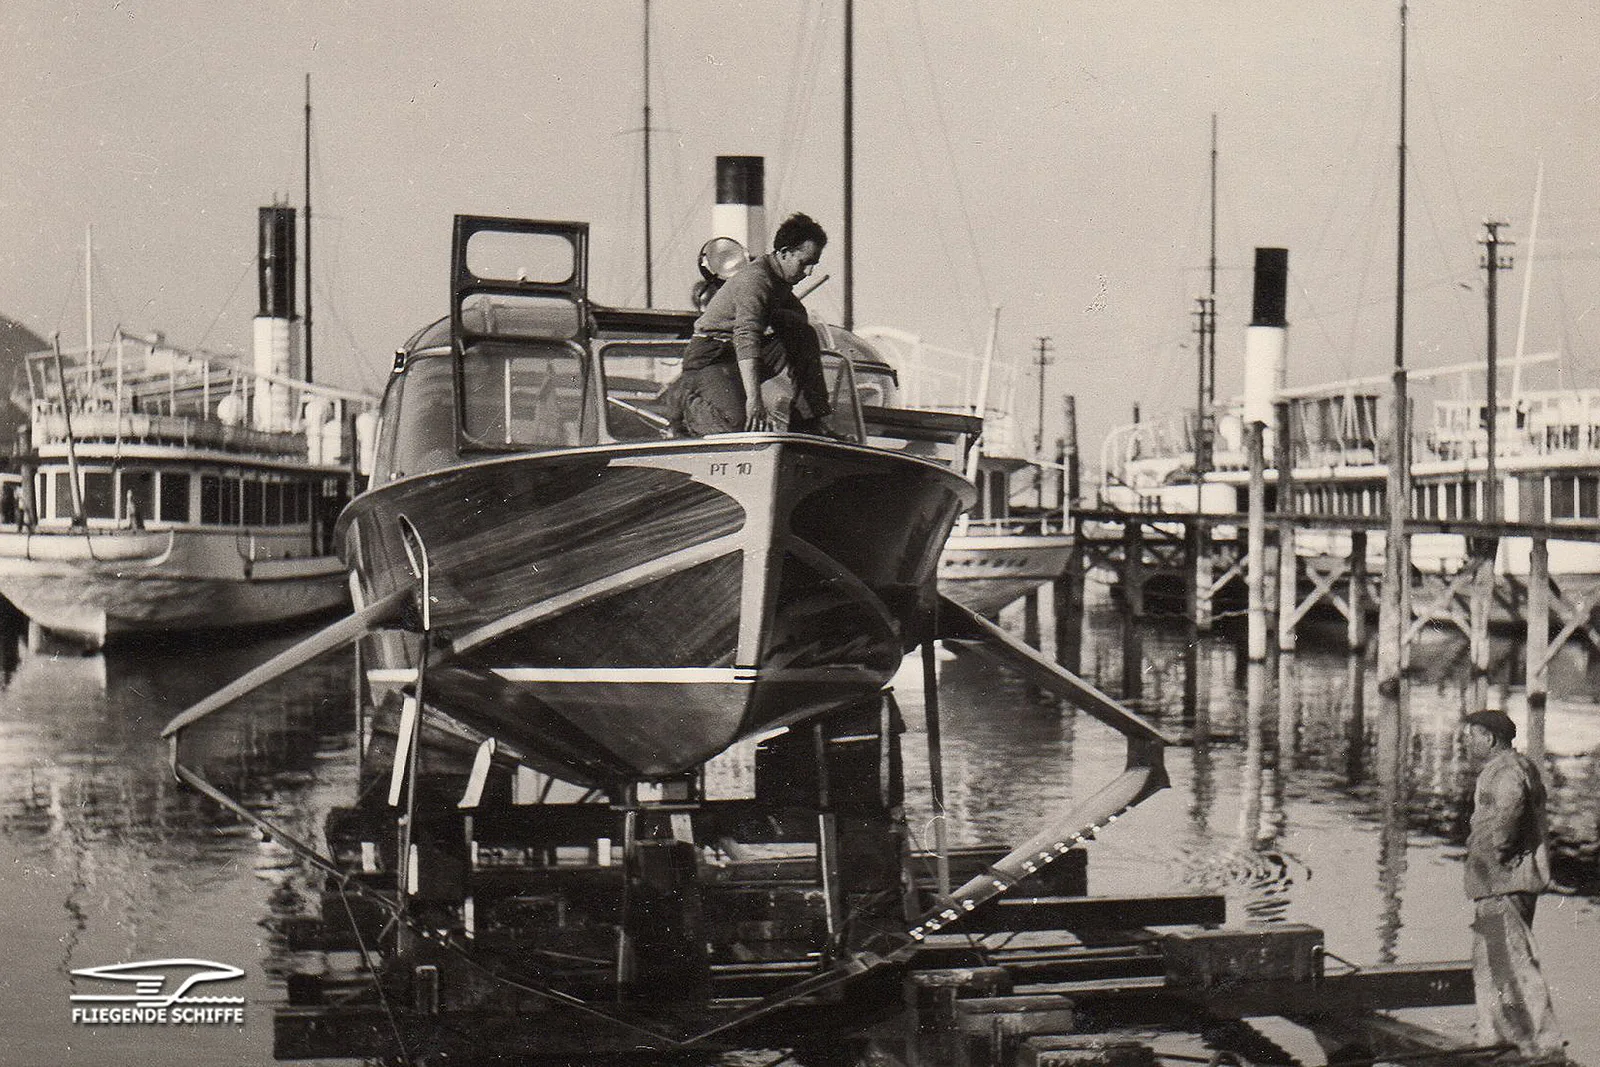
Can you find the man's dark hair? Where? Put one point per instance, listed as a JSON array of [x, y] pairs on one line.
[[796, 230]]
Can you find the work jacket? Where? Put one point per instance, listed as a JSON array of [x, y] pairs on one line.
[[744, 309], [1506, 851]]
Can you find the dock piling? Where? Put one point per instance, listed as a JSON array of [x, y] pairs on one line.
[[1356, 620], [1067, 592], [1256, 570], [1133, 571], [1538, 644], [1200, 554], [1288, 561]]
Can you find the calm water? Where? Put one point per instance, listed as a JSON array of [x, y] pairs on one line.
[[1296, 793]]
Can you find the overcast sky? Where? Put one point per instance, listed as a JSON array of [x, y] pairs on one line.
[[1048, 157]]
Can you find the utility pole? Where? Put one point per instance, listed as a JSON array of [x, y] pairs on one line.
[[1394, 605], [1044, 361], [1493, 263], [1206, 329]]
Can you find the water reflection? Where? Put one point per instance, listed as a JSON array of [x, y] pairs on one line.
[[1297, 792], [115, 861]]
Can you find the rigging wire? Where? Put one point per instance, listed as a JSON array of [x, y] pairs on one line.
[[1364, 265], [947, 254], [329, 309], [798, 114], [249, 264], [944, 133]]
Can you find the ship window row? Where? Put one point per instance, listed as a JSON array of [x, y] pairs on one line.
[[1573, 496], [1447, 500], [179, 496], [1430, 500], [1341, 500], [1565, 496]]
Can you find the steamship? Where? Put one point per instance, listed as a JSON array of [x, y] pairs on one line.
[[1547, 459], [169, 489]]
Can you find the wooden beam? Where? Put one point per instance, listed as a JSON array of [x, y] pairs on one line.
[[1082, 914]]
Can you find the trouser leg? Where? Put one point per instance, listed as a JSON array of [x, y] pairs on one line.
[[1513, 1000], [801, 354], [713, 400]]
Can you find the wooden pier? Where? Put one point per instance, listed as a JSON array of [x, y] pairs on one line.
[[1182, 563]]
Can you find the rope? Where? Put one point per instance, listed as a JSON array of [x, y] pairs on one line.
[[366, 960], [1234, 1059]]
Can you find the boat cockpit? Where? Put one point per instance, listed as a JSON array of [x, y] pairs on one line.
[[525, 362]]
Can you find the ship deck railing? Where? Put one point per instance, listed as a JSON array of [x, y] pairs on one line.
[[189, 432]]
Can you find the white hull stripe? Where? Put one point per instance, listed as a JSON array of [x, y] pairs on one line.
[[398, 676]]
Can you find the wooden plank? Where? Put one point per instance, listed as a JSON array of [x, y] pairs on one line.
[[1009, 914], [1580, 532], [1351, 993]]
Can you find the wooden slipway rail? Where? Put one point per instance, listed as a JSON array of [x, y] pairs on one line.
[[1143, 775]]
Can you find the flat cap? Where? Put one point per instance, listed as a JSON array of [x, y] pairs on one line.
[[1496, 722]]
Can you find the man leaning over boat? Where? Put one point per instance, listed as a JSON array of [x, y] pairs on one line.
[[754, 330]]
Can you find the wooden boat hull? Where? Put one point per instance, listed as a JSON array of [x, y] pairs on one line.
[[95, 587], [628, 611], [985, 572]]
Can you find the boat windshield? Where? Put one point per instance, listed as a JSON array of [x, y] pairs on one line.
[[637, 371], [528, 394], [419, 432]]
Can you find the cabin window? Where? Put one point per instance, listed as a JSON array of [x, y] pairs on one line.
[[219, 500], [273, 493], [99, 495], [1563, 497], [421, 410], [210, 499], [525, 395], [138, 494], [636, 374], [174, 497], [255, 512]]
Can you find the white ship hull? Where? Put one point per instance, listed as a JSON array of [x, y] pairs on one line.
[[93, 587], [985, 572]]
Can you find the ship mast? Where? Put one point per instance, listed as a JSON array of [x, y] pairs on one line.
[[849, 316], [308, 375], [649, 258]]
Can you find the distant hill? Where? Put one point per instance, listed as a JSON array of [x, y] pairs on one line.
[[16, 341]]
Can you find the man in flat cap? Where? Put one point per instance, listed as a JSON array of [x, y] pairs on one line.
[[1508, 866]]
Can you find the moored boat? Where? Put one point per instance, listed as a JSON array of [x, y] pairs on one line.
[[168, 489], [616, 603], [1001, 550]]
